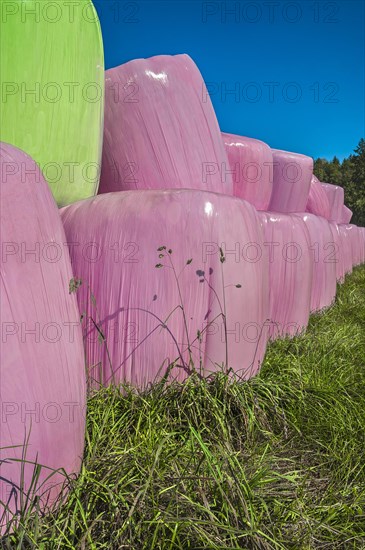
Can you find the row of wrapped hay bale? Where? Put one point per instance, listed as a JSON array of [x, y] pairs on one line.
[[302, 277], [301, 280], [198, 249], [298, 214], [277, 183]]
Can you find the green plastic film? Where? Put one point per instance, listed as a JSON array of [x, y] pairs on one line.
[[52, 88]]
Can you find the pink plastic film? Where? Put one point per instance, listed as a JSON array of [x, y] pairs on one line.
[[324, 250], [290, 272], [140, 305], [346, 247], [160, 129], [337, 239], [42, 360]]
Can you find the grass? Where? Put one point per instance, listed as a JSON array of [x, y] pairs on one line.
[[273, 463]]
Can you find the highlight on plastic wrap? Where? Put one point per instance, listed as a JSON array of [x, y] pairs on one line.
[[42, 360], [250, 161], [161, 286], [318, 202], [160, 129], [335, 195], [292, 175], [290, 272], [52, 69]]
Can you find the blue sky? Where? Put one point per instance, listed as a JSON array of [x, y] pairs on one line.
[[296, 68]]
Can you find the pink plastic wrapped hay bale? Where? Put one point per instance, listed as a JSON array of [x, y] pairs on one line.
[[346, 215], [139, 305], [318, 202], [358, 246], [290, 273], [324, 249], [42, 359], [251, 163], [346, 246], [348, 250], [337, 239], [292, 174], [352, 229], [335, 195], [354, 236], [160, 129]]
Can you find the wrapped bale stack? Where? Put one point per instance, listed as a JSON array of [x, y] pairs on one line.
[[293, 248], [350, 249], [295, 190], [216, 304]]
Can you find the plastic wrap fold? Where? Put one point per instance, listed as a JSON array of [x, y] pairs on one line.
[[153, 303], [335, 195], [251, 164], [42, 360], [346, 215], [292, 176], [318, 202], [160, 129]]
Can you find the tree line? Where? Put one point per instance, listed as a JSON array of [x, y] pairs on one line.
[[350, 174]]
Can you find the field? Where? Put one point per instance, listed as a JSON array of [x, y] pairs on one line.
[[274, 463]]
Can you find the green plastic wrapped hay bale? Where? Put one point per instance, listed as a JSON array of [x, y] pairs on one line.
[[52, 87]]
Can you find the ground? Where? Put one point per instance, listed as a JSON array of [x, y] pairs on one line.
[[276, 462]]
